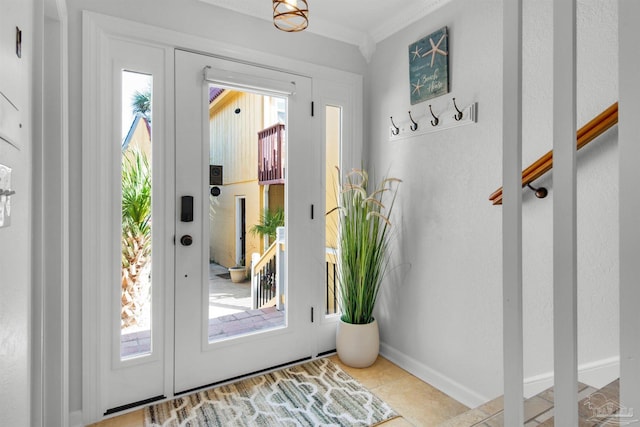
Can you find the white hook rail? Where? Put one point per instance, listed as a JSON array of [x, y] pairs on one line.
[[445, 120]]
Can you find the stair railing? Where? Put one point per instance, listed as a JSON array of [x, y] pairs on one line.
[[596, 127]]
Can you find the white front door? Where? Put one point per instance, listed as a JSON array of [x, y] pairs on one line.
[[211, 348], [148, 303]]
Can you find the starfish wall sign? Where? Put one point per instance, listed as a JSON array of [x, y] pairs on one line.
[[429, 66]]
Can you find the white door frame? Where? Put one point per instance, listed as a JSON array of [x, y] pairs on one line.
[[98, 29]]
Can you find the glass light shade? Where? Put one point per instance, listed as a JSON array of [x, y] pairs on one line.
[[290, 15]]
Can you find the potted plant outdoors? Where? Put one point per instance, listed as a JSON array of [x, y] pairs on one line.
[[238, 273], [363, 241]]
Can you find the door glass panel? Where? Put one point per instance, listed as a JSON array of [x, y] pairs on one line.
[[135, 284], [246, 207], [333, 134]]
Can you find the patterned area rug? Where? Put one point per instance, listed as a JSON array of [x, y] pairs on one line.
[[317, 393]]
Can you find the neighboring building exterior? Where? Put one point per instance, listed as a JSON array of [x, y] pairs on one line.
[[236, 118], [139, 136]]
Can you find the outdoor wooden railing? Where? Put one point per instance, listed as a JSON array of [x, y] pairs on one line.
[[271, 155], [585, 134], [263, 277], [267, 275]]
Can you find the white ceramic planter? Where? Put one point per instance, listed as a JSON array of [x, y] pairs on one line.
[[358, 345]]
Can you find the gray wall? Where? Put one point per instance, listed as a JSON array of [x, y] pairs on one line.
[[191, 17], [15, 240], [441, 311]]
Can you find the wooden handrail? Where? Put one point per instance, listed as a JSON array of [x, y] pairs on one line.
[[585, 135], [266, 256]]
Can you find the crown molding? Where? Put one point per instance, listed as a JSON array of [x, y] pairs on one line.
[[260, 10], [365, 41], [405, 17]]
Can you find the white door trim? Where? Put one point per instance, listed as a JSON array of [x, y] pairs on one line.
[[110, 26], [50, 349]]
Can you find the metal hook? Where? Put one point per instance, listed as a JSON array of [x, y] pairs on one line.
[[396, 129], [458, 116], [541, 192], [414, 126], [435, 120]]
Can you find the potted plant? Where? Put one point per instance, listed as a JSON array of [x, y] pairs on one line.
[[363, 242], [238, 273]]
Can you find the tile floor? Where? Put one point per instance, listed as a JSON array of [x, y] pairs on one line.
[[596, 408], [418, 403], [421, 405]]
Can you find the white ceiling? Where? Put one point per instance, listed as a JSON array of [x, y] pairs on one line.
[[359, 22]]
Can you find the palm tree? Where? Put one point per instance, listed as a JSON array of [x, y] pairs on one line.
[[141, 103], [269, 222], [136, 233]]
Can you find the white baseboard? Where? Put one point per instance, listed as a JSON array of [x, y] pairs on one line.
[[596, 374], [75, 419], [459, 392]]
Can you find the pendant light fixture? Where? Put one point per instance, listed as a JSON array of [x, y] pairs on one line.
[[290, 15]]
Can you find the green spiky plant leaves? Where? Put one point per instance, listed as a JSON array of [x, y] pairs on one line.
[[136, 231], [364, 232], [270, 220], [141, 103]]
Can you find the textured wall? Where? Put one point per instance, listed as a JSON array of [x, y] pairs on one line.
[[15, 240], [442, 309], [443, 306]]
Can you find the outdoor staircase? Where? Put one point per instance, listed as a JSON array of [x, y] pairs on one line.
[[595, 407], [267, 275]]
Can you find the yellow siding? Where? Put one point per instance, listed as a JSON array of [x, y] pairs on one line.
[[234, 145], [276, 197], [141, 140], [332, 144], [234, 137], [222, 215]]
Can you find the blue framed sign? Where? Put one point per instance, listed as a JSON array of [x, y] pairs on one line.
[[429, 66]]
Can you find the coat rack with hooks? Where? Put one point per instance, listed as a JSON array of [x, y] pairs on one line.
[[433, 120]]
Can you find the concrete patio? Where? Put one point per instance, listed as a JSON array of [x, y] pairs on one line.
[[230, 314]]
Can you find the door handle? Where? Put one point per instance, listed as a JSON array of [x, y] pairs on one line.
[[186, 208], [186, 240]]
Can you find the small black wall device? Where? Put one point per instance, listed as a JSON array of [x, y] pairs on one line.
[[215, 174]]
